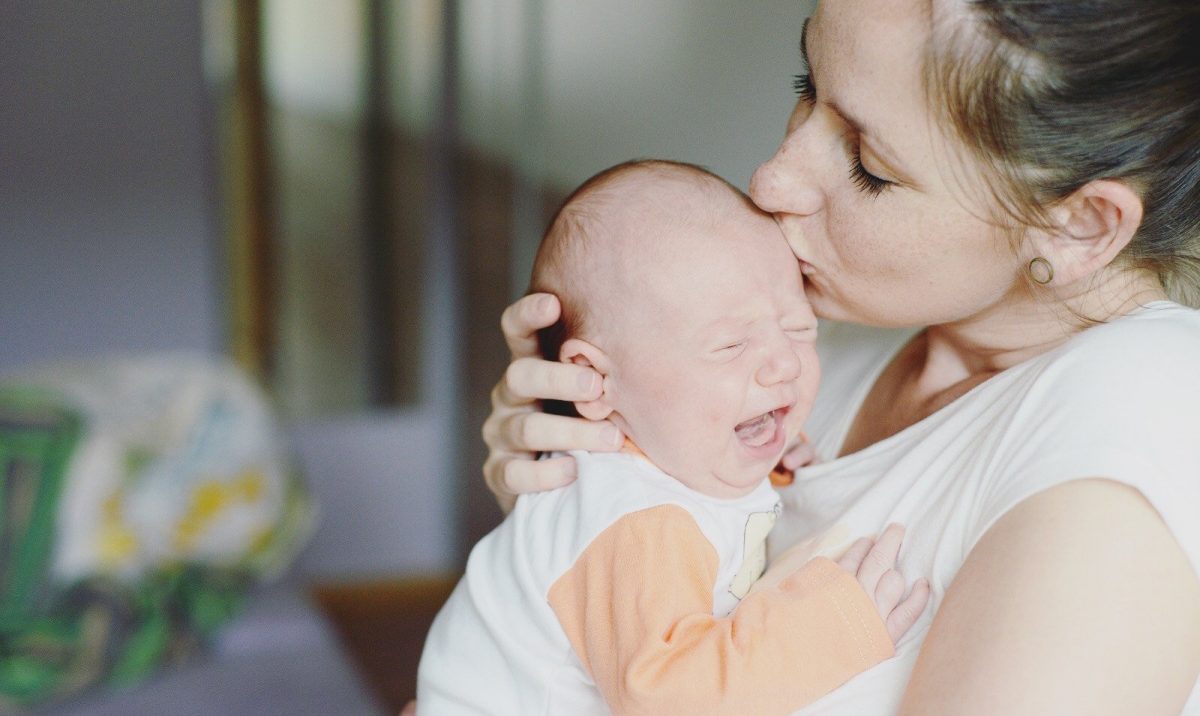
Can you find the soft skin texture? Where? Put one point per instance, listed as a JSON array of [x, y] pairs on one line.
[[1056, 590], [1112, 629], [731, 338]]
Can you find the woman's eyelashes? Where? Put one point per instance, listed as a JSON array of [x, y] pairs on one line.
[[866, 182], [804, 88]]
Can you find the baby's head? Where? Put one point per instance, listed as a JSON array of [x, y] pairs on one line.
[[685, 297]]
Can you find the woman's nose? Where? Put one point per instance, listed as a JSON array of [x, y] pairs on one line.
[[782, 184], [780, 364]]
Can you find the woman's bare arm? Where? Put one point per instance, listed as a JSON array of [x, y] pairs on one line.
[[1078, 601], [517, 428]]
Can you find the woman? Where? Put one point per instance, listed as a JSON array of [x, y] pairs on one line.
[[1020, 178]]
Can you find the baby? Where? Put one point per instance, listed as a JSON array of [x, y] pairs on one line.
[[630, 590]]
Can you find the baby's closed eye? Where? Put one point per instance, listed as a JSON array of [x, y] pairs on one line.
[[730, 349]]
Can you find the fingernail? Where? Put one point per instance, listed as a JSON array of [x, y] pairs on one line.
[[587, 382], [543, 305], [613, 436]]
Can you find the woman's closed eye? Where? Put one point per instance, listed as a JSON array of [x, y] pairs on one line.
[[804, 87], [866, 182]]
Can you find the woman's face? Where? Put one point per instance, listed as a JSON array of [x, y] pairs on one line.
[[874, 196]]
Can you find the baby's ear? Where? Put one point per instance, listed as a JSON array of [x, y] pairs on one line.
[[580, 352]]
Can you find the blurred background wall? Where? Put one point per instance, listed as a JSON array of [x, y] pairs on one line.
[[107, 219], [413, 149]]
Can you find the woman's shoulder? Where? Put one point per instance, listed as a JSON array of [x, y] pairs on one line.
[[1156, 348], [1121, 402], [1161, 327]]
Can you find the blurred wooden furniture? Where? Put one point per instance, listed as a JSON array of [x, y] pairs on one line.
[[382, 626]]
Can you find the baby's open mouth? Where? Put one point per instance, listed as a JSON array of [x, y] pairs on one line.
[[760, 430]]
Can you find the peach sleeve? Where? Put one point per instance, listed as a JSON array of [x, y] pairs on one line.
[[637, 608]]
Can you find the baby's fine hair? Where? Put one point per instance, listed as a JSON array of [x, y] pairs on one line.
[[577, 224], [571, 239]]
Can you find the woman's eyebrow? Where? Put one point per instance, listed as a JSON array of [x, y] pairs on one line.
[[804, 45]]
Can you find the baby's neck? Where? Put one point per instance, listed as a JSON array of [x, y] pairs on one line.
[[779, 477]]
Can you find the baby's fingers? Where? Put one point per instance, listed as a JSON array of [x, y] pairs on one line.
[[853, 558], [888, 592], [799, 455], [909, 611], [881, 558]]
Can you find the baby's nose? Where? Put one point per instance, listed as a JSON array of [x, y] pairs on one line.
[[780, 365]]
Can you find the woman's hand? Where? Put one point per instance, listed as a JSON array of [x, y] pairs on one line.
[[517, 429]]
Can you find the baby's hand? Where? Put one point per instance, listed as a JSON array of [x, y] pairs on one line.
[[873, 562], [800, 453]]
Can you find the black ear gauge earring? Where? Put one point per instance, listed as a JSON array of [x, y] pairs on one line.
[[1041, 271]]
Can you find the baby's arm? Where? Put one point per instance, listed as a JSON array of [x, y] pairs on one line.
[[873, 563], [637, 608]]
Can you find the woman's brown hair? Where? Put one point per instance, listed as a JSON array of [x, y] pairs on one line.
[[1053, 94]]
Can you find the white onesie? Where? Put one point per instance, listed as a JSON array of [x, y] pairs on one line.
[[612, 593]]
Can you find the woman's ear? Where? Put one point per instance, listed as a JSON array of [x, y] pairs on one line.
[[1092, 226], [580, 352]]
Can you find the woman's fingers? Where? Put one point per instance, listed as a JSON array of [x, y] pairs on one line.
[[530, 379], [410, 709], [541, 432], [512, 475], [909, 611], [521, 321]]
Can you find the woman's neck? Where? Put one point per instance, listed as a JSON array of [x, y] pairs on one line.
[[1027, 324], [946, 361]]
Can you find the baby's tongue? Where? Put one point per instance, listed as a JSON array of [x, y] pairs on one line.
[[757, 432]]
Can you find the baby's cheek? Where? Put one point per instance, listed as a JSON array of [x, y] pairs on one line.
[[705, 431], [716, 428]]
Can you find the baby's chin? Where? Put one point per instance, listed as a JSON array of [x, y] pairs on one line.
[[740, 475]]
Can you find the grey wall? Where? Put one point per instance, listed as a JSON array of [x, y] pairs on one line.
[[107, 231]]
